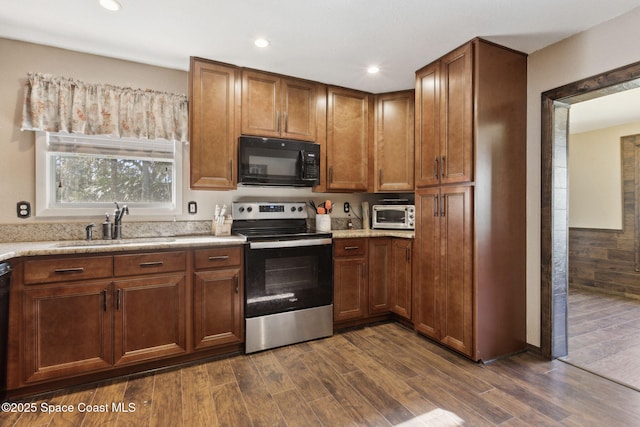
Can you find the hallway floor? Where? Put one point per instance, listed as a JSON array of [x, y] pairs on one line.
[[604, 335]]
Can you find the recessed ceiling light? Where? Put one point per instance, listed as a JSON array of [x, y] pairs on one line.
[[111, 5], [261, 42], [374, 69]]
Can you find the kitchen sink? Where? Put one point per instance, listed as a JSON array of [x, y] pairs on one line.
[[118, 242]]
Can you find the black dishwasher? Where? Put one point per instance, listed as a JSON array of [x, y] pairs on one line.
[[5, 276]]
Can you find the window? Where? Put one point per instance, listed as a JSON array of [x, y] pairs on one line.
[[82, 175]]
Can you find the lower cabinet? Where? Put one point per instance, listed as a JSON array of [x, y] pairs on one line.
[[218, 297], [372, 277], [401, 261], [67, 329], [85, 314], [350, 279], [149, 318]]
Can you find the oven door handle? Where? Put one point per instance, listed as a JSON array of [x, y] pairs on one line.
[[290, 243]]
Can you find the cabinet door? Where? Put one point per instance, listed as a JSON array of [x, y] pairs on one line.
[[261, 104], [427, 126], [401, 277], [456, 280], [214, 102], [379, 275], [394, 147], [67, 329], [348, 136], [456, 117], [149, 319], [426, 268], [299, 100], [217, 307], [350, 288]]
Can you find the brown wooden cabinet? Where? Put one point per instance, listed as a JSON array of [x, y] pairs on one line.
[[279, 106], [350, 279], [401, 262], [469, 270], [67, 329], [379, 279], [444, 120], [214, 124], [443, 305], [372, 278], [349, 129], [218, 297], [394, 142]]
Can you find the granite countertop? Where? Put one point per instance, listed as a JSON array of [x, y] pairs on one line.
[[64, 247], [19, 249], [343, 234]]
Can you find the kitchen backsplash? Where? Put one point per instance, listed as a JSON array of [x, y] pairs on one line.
[[76, 231]]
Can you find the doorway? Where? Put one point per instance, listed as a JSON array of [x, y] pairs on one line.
[[554, 203]]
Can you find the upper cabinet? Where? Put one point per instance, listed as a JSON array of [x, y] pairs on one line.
[[349, 129], [278, 106], [444, 120], [394, 142], [214, 124]]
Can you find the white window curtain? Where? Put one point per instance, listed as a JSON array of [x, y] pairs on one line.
[[60, 104]]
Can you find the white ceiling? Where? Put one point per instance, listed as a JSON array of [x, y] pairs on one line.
[[331, 41], [607, 111]]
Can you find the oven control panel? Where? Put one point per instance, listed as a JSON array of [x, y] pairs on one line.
[[269, 210]]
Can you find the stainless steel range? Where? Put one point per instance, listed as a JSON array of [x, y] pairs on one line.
[[288, 275]]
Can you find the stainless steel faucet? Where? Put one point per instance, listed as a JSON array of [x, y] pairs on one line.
[[117, 220]]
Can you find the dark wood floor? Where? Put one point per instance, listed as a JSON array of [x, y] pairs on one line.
[[604, 335], [380, 375]]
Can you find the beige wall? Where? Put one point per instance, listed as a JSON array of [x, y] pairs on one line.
[[17, 162], [595, 177], [607, 46]]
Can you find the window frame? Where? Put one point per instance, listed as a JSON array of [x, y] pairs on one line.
[[45, 184]]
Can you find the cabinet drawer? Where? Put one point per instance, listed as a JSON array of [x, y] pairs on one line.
[[218, 257], [149, 263], [350, 247], [67, 269]]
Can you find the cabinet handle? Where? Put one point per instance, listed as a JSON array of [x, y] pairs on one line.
[[408, 251], [436, 168], [104, 300], [443, 211], [435, 205], [118, 300], [230, 170], [218, 258], [69, 270], [278, 121], [442, 164], [286, 122], [237, 284], [350, 248], [330, 174], [380, 177], [151, 264]]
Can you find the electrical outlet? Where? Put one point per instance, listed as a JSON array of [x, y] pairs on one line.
[[23, 209], [347, 207], [192, 208]]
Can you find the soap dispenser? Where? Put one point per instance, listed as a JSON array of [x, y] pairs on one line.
[[107, 228]]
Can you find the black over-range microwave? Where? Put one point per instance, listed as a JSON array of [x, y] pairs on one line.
[[272, 161]]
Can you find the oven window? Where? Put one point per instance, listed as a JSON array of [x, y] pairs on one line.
[[290, 274], [391, 216], [285, 279]]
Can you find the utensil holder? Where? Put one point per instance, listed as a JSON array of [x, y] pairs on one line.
[[221, 228], [323, 222]]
